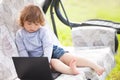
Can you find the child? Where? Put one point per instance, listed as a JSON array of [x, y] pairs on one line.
[[33, 40]]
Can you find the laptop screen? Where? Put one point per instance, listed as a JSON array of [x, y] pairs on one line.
[[32, 68]]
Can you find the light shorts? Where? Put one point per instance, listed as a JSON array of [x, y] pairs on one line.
[[58, 52]]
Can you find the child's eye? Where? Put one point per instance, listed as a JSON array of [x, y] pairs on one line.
[[36, 24], [29, 23]]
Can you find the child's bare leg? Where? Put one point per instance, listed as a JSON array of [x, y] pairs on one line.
[[99, 70], [63, 68], [73, 67], [82, 62]]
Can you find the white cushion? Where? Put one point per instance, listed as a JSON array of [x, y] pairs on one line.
[[89, 36]]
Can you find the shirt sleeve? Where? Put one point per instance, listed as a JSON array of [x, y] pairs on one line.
[[47, 44], [20, 45]]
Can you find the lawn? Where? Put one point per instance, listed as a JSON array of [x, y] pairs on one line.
[[82, 10]]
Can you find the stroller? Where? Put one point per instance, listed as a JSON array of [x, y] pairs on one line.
[[86, 43]]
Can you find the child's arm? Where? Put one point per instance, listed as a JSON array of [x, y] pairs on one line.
[[20, 46], [47, 43]]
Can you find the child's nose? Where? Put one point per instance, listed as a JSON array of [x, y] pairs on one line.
[[32, 26]]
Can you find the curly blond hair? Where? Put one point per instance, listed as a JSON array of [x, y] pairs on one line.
[[31, 13]]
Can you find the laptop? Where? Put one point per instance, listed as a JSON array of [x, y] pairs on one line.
[[33, 68]]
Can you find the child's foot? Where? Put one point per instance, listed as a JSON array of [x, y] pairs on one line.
[[99, 70], [73, 67]]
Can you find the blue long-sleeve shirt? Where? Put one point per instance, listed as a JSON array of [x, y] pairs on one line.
[[35, 44]]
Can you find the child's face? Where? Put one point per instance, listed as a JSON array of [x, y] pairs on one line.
[[31, 27]]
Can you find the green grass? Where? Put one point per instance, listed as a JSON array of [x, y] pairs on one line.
[[82, 10]]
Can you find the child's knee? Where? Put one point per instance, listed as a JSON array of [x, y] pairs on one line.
[[54, 61]]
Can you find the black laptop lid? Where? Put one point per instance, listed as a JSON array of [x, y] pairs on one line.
[[32, 68]]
